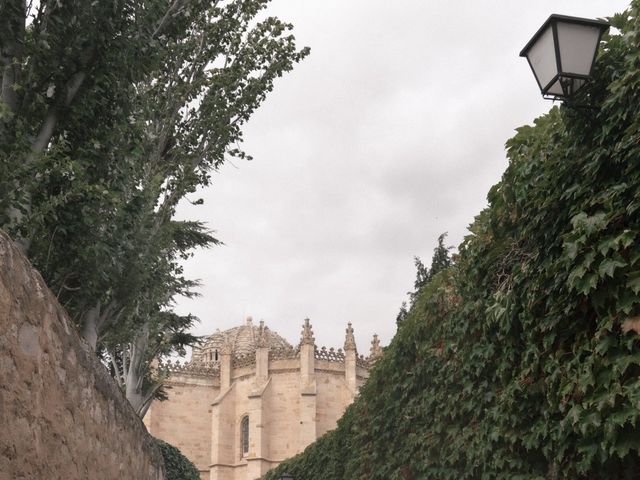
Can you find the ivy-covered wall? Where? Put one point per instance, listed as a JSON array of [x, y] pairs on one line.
[[177, 466], [523, 360]]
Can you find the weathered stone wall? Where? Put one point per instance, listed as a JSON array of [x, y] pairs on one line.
[[332, 400], [61, 414], [184, 419], [187, 420], [284, 424], [291, 399]]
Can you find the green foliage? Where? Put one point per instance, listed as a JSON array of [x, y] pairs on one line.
[[110, 115], [177, 466], [441, 260], [522, 361], [402, 314], [422, 275]]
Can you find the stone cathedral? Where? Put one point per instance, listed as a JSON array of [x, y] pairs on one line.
[[248, 399]]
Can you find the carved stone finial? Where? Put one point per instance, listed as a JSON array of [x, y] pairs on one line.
[[262, 340], [307, 334], [376, 349], [349, 341], [249, 321], [226, 348]]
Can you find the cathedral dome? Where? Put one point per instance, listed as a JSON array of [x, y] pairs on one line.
[[243, 340]]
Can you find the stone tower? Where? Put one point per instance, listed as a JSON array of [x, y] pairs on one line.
[[248, 399]]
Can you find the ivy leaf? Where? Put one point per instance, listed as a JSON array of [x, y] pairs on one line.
[[587, 283], [625, 443], [626, 238], [576, 274], [634, 283], [605, 344], [607, 244], [590, 224], [609, 265], [626, 301], [571, 249]]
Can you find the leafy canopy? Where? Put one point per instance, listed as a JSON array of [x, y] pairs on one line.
[[111, 114], [177, 466]]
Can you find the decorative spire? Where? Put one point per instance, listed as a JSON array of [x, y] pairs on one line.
[[262, 340], [226, 348], [249, 321], [350, 341], [376, 349], [307, 334]]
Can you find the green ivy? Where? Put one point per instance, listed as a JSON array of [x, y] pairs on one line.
[[177, 466], [522, 361]]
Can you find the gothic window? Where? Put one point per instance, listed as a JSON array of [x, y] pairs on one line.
[[216, 355], [244, 435]]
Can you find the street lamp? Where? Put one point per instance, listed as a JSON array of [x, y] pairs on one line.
[[562, 52], [286, 476]]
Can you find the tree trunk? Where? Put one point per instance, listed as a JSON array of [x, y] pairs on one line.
[[96, 320], [38, 146], [135, 373], [12, 28], [90, 323]]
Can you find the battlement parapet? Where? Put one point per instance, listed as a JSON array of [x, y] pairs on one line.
[[330, 355], [363, 362], [212, 368], [284, 353], [243, 360], [207, 369]]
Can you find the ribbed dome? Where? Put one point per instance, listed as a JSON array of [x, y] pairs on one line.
[[243, 341]]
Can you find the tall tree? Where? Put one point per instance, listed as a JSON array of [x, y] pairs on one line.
[[62, 62], [402, 313], [440, 260], [110, 116]]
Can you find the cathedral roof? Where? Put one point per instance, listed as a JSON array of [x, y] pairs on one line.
[[243, 340]]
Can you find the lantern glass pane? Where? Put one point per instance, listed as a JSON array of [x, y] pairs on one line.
[[578, 45], [542, 57], [555, 89]]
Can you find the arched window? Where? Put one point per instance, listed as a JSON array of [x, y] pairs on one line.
[[244, 435], [216, 355]]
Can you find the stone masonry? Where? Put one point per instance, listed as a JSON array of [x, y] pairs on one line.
[[286, 397], [61, 414]]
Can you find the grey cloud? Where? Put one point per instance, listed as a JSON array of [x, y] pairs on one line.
[[389, 134]]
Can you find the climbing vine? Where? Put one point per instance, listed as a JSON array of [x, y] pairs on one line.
[[176, 465], [522, 361]]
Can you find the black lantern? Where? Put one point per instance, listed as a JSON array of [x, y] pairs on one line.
[[286, 476], [562, 52]]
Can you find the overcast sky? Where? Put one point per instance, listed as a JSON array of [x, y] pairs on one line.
[[391, 132]]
